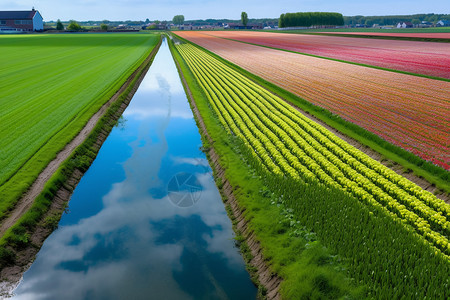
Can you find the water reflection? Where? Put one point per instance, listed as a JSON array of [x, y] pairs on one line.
[[124, 238]]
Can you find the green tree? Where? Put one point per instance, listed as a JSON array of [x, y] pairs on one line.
[[308, 19], [369, 23], [73, 26], [244, 18], [59, 25], [104, 26], [178, 20], [281, 21]]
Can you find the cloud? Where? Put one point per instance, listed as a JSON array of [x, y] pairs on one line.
[[157, 93]]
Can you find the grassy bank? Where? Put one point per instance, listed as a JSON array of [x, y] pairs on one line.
[[432, 173], [18, 237]]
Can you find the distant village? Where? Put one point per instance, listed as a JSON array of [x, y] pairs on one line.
[[32, 20]]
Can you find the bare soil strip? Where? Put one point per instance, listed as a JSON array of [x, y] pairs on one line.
[[10, 276], [266, 277]]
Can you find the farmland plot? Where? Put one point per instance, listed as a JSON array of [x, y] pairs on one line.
[[426, 58], [50, 85], [382, 251], [408, 111], [425, 35], [288, 144]]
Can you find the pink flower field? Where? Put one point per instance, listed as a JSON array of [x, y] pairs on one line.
[[425, 35], [428, 58]]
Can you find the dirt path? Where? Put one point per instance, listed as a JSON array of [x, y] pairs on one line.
[[266, 277], [11, 275]]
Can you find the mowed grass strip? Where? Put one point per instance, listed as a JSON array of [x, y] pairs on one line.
[[50, 85]]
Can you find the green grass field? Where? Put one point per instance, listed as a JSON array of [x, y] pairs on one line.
[[50, 85]]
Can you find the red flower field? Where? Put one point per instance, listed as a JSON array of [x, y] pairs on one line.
[[425, 35], [428, 58], [409, 111]]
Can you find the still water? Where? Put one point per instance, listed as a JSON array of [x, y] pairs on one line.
[[146, 220]]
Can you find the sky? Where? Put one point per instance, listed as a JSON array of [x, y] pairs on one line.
[[84, 10]]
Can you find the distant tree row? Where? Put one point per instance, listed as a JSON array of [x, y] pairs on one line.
[[307, 19]]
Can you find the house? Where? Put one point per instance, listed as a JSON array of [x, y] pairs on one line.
[[26, 20], [443, 23], [405, 25]]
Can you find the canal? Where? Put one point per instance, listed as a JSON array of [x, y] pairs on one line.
[[146, 221]]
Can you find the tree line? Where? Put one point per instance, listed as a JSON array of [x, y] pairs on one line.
[[308, 19]]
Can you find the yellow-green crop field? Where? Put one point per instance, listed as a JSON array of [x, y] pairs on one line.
[[391, 231], [50, 86]]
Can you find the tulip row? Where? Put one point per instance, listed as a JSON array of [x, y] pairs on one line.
[[287, 142]]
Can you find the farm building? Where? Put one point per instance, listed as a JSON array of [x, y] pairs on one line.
[[26, 20], [405, 25]]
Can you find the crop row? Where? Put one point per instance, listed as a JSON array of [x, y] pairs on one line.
[[286, 142], [407, 111]]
